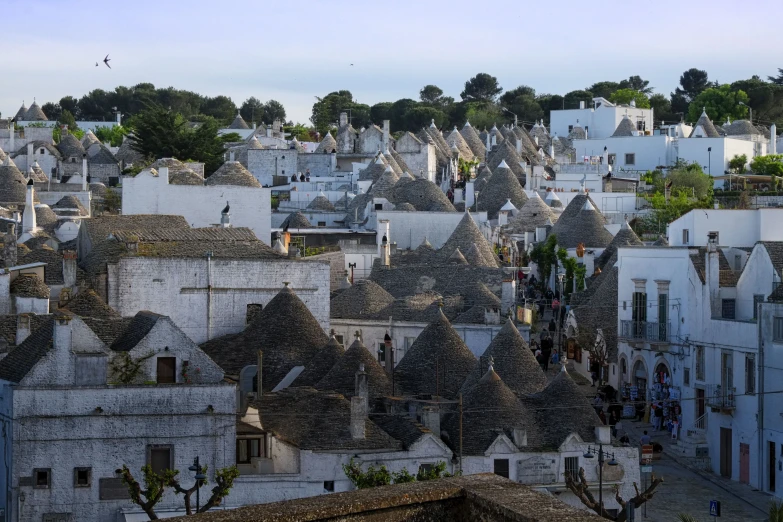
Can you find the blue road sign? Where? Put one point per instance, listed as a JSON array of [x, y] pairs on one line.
[[714, 508]]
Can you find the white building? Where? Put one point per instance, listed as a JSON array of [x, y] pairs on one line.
[[600, 120], [737, 228], [71, 416]]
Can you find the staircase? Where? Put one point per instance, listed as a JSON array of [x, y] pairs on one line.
[[693, 440]]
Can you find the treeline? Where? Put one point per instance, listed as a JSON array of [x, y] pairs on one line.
[[483, 102], [100, 105]]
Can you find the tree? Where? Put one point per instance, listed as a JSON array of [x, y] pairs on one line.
[[690, 180], [778, 80], [737, 163], [68, 103], [603, 89], [720, 103], [52, 110], [480, 115], [380, 111], [431, 94], [766, 99], [573, 98], [523, 90], [155, 485], [67, 119], [113, 135], [581, 488], [397, 113], [326, 111], [252, 110], [769, 165], [221, 108], [482, 87], [624, 96], [420, 116], [274, 110], [549, 102], [637, 84], [662, 108], [692, 83]]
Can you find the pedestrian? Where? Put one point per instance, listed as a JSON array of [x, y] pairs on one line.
[[639, 411], [594, 368], [659, 417], [645, 439], [555, 358], [546, 352], [552, 326]]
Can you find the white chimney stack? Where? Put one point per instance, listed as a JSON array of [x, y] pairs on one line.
[[773, 139], [359, 404], [713, 271], [28, 220], [508, 296], [383, 241], [84, 172], [582, 104]]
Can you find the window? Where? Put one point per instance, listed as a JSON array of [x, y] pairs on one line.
[[424, 469], [630, 159], [757, 298], [572, 466], [685, 236], [750, 375], [501, 467], [340, 339], [640, 125], [777, 334], [329, 486], [381, 353], [570, 128], [727, 372], [686, 377], [167, 370], [321, 224], [728, 308], [586, 129], [252, 311], [612, 159], [737, 262], [699, 363], [248, 449], [639, 313], [43, 151], [82, 477], [42, 478], [159, 457], [663, 316], [379, 206]]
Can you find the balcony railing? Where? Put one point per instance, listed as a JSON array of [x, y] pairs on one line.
[[644, 331], [720, 397]]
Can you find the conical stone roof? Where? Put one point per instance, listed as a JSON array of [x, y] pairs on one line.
[[342, 376], [179, 173], [581, 222], [327, 145], [481, 180], [239, 123], [89, 138], [464, 237], [36, 173], [473, 140], [45, 217], [391, 162], [34, 113], [456, 258], [624, 237], [384, 186], [533, 214], [455, 139], [374, 170], [89, 304], [437, 362], [705, 123], [502, 186], [513, 362], [424, 195], [321, 203], [285, 330], [490, 408], [473, 256], [296, 220], [13, 186], [70, 147], [625, 128], [364, 299], [232, 173], [506, 152], [20, 114], [320, 364], [254, 144]]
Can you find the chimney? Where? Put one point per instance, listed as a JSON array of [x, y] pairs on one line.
[[69, 269], [9, 246], [582, 104], [22, 328], [430, 418], [383, 241], [470, 193], [386, 129], [268, 131], [30, 154], [163, 174], [773, 139], [231, 156], [520, 437], [488, 144], [343, 119], [519, 146], [118, 114], [12, 136], [540, 234], [503, 217], [259, 381], [5, 292], [63, 336], [712, 270], [387, 343], [28, 221], [589, 261], [494, 139], [508, 296], [225, 217], [603, 434], [84, 172], [359, 405], [528, 175]]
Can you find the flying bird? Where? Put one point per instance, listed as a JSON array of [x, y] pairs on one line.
[[96, 64], [106, 61], [351, 65]]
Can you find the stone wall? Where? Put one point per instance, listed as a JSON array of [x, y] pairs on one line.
[[177, 287], [336, 267], [319, 164], [265, 163]]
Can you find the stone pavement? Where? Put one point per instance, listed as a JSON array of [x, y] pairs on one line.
[[687, 489]]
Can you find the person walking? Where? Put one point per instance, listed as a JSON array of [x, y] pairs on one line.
[[546, 352], [552, 327], [594, 368], [659, 417], [645, 439]]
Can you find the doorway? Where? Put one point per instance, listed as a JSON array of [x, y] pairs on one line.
[[725, 452], [771, 464], [700, 403], [744, 471]]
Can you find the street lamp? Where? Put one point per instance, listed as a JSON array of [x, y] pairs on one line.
[[612, 462], [516, 124], [709, 160], [199, 477], [750, 108]]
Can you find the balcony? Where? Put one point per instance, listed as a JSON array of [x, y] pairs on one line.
[[644, 331], [720, 397]]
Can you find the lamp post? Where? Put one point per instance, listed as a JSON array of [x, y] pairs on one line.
[[199, 477], [589, 454], [749, 108], [516, 121], [709, 160]]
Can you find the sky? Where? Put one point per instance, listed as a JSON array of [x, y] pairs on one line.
[[292, 51]]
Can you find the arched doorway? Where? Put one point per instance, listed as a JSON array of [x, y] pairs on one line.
[[638, 379], [623, 365], [573, 350]]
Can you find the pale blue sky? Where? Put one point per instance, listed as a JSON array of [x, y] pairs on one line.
[[294, 50]]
